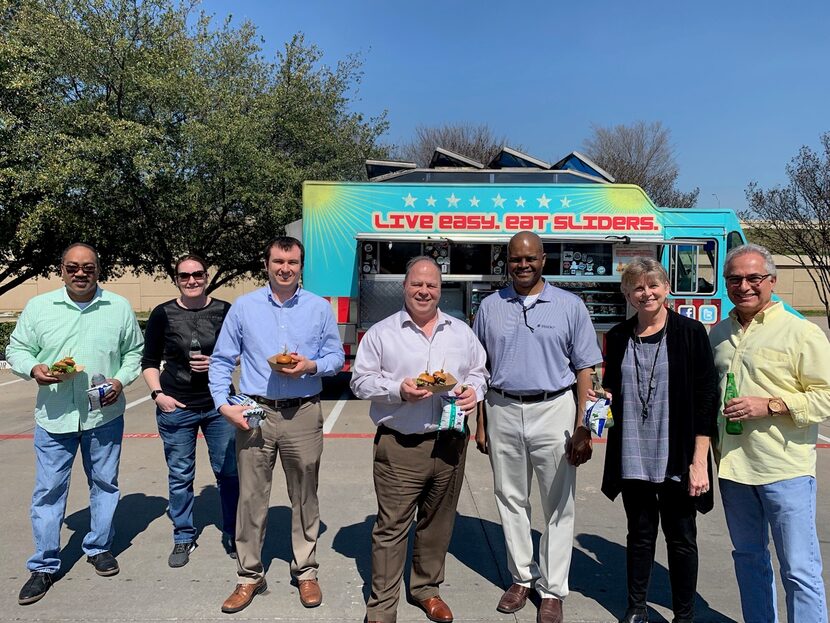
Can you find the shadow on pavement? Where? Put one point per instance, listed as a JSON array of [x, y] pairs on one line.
[[603, 579], [477, 543], [277, 543], [134, 514]]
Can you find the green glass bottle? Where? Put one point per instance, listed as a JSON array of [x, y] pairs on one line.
[[733, 427]]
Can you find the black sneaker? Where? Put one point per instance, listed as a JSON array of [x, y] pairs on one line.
[[180, 555], [105, 564], [35, 588]]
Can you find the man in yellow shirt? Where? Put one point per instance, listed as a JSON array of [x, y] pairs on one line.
[[767, 473]]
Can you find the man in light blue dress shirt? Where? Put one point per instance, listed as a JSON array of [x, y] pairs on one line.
[[281, 316]]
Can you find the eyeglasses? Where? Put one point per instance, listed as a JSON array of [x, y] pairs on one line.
[[88, 269], [733, 281], [198, 275]]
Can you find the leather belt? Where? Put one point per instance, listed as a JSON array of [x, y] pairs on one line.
[[540, 397], [284, 403]]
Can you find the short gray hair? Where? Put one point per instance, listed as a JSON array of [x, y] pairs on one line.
[[748, 248], [421, 258], [638, 268]]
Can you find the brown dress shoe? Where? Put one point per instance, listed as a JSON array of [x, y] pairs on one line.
[[242, 596], [550, 611], [514, 599], [310, 594], [436, 609]]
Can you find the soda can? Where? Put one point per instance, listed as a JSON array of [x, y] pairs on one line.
[[254, 414], [96, 394], [452, 417]]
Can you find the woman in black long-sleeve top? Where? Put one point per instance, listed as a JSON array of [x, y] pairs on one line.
[[660, 371], [182, 333]]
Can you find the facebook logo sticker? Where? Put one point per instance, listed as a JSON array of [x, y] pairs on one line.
[[708, 314], [686, 310]]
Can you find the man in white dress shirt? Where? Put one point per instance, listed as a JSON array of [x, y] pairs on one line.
[[417, 468]]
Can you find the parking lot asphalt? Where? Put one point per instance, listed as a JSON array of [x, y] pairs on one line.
[[476, 574]]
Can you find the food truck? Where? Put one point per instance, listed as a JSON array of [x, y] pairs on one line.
[[359, 237]]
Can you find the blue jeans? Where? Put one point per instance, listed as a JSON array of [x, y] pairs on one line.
[[788, 508], [54, 455], [178, 430]]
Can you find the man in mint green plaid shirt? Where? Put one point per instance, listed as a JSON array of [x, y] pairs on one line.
[[98, 329]]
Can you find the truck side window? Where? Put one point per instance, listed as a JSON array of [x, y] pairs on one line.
[[733, 239], [692, 268]]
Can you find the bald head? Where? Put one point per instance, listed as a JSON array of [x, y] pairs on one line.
[[525, 260], [526, 240]]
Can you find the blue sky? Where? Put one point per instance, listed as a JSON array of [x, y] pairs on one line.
[[742, 85]]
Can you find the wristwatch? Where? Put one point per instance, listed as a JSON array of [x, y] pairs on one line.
[[155, 393], [776, 407]]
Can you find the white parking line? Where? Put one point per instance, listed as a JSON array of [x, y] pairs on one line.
[[824, 439], [137, 402], [335, 413], [10, 382]]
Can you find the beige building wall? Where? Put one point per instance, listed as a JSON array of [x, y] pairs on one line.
[[794, 286], [144, 292]]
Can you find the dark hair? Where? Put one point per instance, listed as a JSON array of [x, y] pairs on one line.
[[85, 246], [192, 257], [286, 243]]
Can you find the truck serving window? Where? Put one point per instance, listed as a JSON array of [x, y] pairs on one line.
[[692, 268]]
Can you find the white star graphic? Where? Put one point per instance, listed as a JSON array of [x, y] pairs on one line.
[[431, 201], [474, 201], [544, 202], [452, 200], [498, 201], [520, 203], [566, 203], [409, 201]]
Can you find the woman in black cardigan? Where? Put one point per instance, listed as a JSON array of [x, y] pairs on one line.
[[661, 373]]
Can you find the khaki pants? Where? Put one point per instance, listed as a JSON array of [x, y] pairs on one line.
[[412, 473], [525, 439], [296, 435]]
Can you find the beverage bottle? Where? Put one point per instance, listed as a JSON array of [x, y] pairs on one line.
[[98, 379], [733, 427], [195, 347], [599, 390]]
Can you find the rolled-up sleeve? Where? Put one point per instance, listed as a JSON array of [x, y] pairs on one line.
[[478, 376], [812, 405], [368, 380]]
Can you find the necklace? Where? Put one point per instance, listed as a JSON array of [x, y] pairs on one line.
[[652, 382]]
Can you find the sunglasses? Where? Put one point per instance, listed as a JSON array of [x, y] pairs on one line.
[[87, 269], [198, 275]]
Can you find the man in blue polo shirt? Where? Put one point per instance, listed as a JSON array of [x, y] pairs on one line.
[[280, 316], [540, 342]]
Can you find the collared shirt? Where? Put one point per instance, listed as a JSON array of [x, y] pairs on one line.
[[777, 355], [395, 349], [545, 359], [103, 337], [257, 327]]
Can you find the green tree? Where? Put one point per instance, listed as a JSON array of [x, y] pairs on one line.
[[794, 220], [141, 128], [642, 154]]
